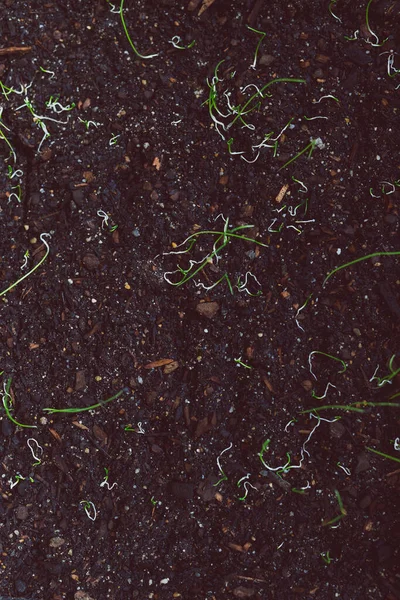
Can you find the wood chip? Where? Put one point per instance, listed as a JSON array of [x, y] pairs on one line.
[[206, 4], [171, 367], [80, 425], [282, 193], [14, 49], [159, 363]]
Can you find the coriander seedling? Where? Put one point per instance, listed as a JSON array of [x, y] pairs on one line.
[[33, 451], [224, 477], [383, 454], [52, 411], [7, 404], [128, 37], [41, 261], [262, 35], [89, 507], [357, 260], [105, 483]]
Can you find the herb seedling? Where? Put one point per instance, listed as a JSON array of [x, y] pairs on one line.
[[105, 483], [314, 352], [383, 454], [224, 477], [343, 511], [89, 507], [387, 378], [7, 404], [128, 37], [376, 43], [314, 143], [52, 411], [357, 260], [246, 485], [176, 42], [262, 35], [326, 557], [38, 447], [88, 124], [41, 261]]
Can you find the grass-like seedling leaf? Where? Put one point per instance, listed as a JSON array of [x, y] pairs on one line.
[[357, 260], [128, 37], [343, 511], [351, 407], [41, 261], [394, 458], [52, 411], [7, 403]]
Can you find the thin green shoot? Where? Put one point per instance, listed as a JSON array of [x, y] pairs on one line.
[[105, 483], [383, 454], [343, 511], [246, 486], [314, 352], [244, 109], [51, 73], [262, 35], [52, 411], [224, 477], [239, 362], [309, 148], [88, 506], [176, 42], [128, 37], [326, 557], [377, 44], [358, 260], [41, 261], [352, 407], [5, 138], [330, 8], [7, 404], [387, 378]]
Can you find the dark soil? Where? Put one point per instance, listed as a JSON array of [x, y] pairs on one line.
[[200, 371]]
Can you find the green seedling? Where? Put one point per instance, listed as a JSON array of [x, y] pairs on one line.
[[114, 140], [262, 35], [383, 454], [223, 238], [345, 469], [246, 485], [343, 511], [387, 378], [139, 429], [352, 407], [153, 501], [224, 477], [376, 43], [176, 42], [5, 138], [358, 260], [51, 73], [105, 483], [38, 449], [41, 261], [239, 362], [330, 8], [52, 411], [18, 478], [326, 557], [128, 37], [317, 142], [53, 104], [314, 352], [25, 263], [302, 307], [88, 506], [88, 124], [7, 404]]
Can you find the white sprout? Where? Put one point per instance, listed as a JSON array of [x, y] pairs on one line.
[[107, 485], [295, 228], [304, 189], [246, 486], [291, 422], [176, 122], [38, 447], [326, 96], [87, 505], [25, 263], [58, 108], [218, 458], [251, 161], [103, 215], [396, 444], [317, 117], [391, 184], [19, 173], [345, 469], [113, 140], [326, 391], [243, 287]]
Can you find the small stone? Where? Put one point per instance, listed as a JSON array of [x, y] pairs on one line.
[[362, 464], [56, 542], [243, 592], [336, 430], [22, 513], [81, 595], [20, 586], [307, 385], [181, 490], [154, 196], [267, 59], [78, 196], [208, 309], [91, 262], [80, 381]]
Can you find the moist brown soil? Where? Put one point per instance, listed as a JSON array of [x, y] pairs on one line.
[[201, 370]]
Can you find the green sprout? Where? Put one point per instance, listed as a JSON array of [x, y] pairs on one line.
[[52, 411], [246, 485], [351, 407], [105, 483], [325, 555], [153, 501], [41, 261], [387, 378], [357, 260], [128, 37], [87, 505], [87, 124], [317, 142], [34, 450], [262, 35], [239, 361], [224, 477], [394, 458], [7, 404], [343, 511], [176, 42], [223, 238], [51, 73], [344, 365], [377, 44]]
